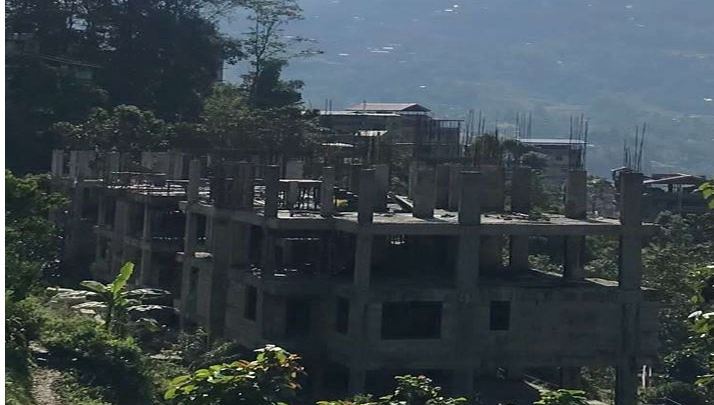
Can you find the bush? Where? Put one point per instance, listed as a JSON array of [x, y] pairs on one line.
[[678, 391], [98, 358]]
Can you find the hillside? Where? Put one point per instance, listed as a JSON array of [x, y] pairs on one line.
[[618, 63]]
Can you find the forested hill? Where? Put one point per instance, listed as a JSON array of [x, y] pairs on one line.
[[620, 63]]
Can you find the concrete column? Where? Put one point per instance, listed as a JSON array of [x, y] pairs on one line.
[[518, 253], [268, 259], [363, 260], [574, 260], [442, 186], [101, 210], [626, 368], [381, 174], [355, 171], [113, 164], [240, 255], [630, 274], [294, 169], [413, 173], [365, 204], [73, 164], [146, 277], [246, 194], [272, 187], [327, 192], [494, 188], [221, 231], [576, 208], [148, 222], [467, 267], [521, 190], [576, 195], [57, 163], [425, 194], [454, 186], [630, 279], [194, 181], [357, 381]]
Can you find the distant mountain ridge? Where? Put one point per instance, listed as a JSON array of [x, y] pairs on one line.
[[619, 63]]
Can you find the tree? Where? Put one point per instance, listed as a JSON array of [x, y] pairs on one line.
[[278, 132], [267, 49], [124, 128], [32, 242], [157, 55]]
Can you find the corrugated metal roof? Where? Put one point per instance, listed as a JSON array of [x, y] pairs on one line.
[[551, 141], [359, 113], [389, 107], [371, 132]]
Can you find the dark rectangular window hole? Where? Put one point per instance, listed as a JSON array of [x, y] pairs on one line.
[[251, 303], [411, 320], [500, 315], [343, 315]]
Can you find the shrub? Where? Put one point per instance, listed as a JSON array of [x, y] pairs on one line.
[[269, 379], [678, 391], [98, 357]]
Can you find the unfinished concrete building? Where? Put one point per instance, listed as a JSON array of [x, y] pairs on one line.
[[438, 285], [121, 211]]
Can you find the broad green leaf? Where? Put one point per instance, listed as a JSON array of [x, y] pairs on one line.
[[94, 286], [124, 274]]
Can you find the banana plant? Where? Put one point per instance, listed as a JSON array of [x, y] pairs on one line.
[[116, 298]]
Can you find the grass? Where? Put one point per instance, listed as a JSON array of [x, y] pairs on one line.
[[17, 388], [71, 391]]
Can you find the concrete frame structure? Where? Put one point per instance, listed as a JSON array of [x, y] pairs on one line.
[[369, 292], [337, 287]]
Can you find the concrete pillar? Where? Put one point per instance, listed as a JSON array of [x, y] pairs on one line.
[[630, 279], [356, 381], [467, 266], [494, 188], [268, 252], [425, 194], [189, 250], [413, 173], [381, 174], [194, 181], [365, 204], [630, 274], [113, 164], [576, 208], [148, 222], [221, 231], [327, 192], [294, 169], [57, 163], [272, 188], [442, 186], [454, 186], [521, 190], [576, 195], [363, 260], [355, 171], [518, 253], [245, 178], [574, 260], [176, 165]]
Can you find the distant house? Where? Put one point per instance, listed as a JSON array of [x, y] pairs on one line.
[[561, 156], [398, 126]]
